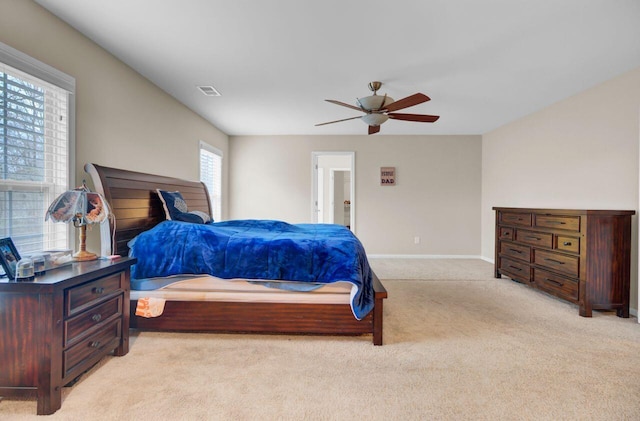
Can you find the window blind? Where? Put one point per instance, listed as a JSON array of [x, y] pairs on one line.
[[34, 159], [211, 176]]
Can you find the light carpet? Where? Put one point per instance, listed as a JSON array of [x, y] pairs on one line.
[[458, 347]]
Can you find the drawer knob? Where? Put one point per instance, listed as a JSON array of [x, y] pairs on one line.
[[98, 290], [94, 344], [96, 317], [566, 243]]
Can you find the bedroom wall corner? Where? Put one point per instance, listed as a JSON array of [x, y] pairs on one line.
[[580, 153]]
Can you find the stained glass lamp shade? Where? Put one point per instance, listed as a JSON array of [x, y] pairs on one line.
[[80, 207]]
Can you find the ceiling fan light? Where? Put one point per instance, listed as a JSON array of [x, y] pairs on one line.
[[374, 119], [374, 102]]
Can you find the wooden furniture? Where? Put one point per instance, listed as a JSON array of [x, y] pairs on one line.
[[582, 256], [60, 325], [136, 206]]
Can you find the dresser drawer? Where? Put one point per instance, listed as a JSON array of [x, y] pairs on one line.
[[557, 262], [541, 239], [569, 223], [516, 251], [81, 356], [505, 233], [570, 244], [555, 284], [91, 319], [86, 295], [513, 218], [515, 270]]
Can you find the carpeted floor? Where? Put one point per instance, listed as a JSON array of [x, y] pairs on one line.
[[459, 344]]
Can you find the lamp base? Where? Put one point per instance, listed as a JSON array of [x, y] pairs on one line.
[[84, 255]]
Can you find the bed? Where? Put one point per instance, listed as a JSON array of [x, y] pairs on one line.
[[201, 303]]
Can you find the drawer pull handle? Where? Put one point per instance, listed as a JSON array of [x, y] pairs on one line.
[[533, 238], [513, 267], [516, 251], [553, 281], [96, 317], [566, 243], [557, 222], [98, 290], [554, 261], [94, 344]]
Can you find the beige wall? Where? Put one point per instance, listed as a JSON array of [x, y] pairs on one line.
[[580, 153], [122, 120], [437, 196]]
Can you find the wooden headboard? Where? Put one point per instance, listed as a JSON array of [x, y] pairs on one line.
[[134, 202]]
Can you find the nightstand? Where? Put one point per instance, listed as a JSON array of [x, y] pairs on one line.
[[58, 326]]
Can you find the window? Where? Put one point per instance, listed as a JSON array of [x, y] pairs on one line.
[[35, 150], [211, 176]]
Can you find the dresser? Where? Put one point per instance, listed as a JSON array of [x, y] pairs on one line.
[[58, 326], [582, 256]]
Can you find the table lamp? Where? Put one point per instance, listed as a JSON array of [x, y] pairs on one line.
[[82, 207]]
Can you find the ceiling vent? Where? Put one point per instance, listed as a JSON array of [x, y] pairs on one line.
[[209, 90]]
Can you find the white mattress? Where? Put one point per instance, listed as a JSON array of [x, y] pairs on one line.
[[209, 288]]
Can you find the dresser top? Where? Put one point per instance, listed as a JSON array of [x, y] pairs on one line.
[[568, 211]]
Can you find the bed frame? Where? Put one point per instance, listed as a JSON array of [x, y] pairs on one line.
[[135, 204]]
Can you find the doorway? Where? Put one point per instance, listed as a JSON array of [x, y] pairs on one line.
[[333, 188]]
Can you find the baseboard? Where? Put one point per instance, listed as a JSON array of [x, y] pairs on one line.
[[423, 256]]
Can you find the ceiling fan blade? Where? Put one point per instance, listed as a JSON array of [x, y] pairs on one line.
[[409, 101], [423, 118], [374, 129], [338, 121], [353, 107]]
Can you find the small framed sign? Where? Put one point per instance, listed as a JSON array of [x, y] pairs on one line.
[[387, 176]]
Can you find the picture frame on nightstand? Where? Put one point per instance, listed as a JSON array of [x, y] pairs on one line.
[[9, 257]]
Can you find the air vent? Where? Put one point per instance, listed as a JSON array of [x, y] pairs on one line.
[[209, 90]]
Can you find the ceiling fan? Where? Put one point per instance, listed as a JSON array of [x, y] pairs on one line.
[[379, 109]]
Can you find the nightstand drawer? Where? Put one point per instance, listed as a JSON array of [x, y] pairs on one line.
[[86, 295], [516, 251], [83, 323], [568, 265], [569, 223], [541, 239], [558, 285], [81, 356]]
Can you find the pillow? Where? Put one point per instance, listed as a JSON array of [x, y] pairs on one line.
[[175, 208]]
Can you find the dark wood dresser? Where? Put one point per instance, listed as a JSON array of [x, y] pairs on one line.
[[58, 326], [582, 256]]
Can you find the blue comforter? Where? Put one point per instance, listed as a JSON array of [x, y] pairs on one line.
[[257, 249]]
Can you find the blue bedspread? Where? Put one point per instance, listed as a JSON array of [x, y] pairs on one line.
[[257, 249]]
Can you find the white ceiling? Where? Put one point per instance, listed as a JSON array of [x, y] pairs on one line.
[[484, 63]]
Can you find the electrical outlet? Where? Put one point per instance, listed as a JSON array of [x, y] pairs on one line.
[[416, 240]]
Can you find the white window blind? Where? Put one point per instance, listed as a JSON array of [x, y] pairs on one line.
[[211, 176], [34, 158]]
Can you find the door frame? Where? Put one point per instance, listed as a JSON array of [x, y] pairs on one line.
[[314, 184]]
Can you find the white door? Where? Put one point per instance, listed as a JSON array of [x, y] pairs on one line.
[[324, 167]]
